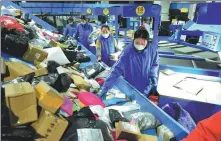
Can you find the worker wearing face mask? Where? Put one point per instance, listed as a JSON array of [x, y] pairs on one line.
[[70, 28], [83, 31], [106, 46], [138, 63]]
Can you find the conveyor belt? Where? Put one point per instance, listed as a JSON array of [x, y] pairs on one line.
[[176, 46], [189, 63], [165, 49], [176, 62], [208, 55], [206, 65], [187, 50], [167, 44]]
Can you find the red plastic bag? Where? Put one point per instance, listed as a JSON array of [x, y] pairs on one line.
[[100, 81], [9, 22]]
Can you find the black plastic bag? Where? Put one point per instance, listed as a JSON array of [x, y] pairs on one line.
[[4, 114], [62, 83], [7, 74], [84, 112], [19, 133], [82, 57], [93, 70], [14, 42], [49, 79], [31, 32], [115, 116], [79, 123], [52, 67], [71, 55]]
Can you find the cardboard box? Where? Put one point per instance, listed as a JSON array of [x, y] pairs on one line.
[[48, 97], [50, 126], [41, 71], [165, 134], [21, 100], [148, 138], [35, 53], [39, 65], [80, 82], [17, 69], [127, 131]]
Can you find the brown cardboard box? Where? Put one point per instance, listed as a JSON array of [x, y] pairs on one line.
[[165, 134], [35, 53], [17, 69], [148, 138], [50, 126], [80, 82], [48, 97], [41, 71], [21, 100], [127, 131], [40, 64]]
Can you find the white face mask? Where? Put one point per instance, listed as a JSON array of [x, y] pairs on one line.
[[139, 47], [105, 35], [83, 22]]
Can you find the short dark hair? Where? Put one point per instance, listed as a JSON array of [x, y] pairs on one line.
[[70, 19], [83, 17], [105, 26], [142, 33]]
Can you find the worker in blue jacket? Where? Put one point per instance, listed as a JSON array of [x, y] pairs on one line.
[[83, 31], [106, 46], [138, 63], [70, 28]]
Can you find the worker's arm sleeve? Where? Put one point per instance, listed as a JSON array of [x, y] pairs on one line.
[[117, 71], [117, 49], [65, 31], [77, 33], [98, 48], [154, 69], [207, 130], [153, 80]]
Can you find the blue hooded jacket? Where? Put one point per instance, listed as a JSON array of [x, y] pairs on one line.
[[82, 34], [139, 69], [70, 29], [107, 48]]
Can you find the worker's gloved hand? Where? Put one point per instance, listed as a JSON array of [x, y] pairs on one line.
[[98, 58], [102, 93], [153, 91]]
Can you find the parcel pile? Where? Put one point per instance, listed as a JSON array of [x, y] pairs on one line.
[[50, 92]]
